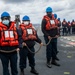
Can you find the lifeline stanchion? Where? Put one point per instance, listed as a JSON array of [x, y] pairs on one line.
[[7, 51], [32, 51]]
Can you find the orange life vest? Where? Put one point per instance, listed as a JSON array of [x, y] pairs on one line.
[[29, 33], [64, 22], [59, 22], [51, 23], [8, 37], [56, 22], [69, 24], [73, 23]]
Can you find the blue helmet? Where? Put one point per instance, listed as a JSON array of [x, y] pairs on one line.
[[64, 19], [49, 9], [59, 19], [72, 19], [55, 15], [26, 18], [5, 14]]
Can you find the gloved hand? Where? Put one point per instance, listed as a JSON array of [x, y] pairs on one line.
[[17, 49], [56, 36], [49, 37], [23, 44], [41, 44]]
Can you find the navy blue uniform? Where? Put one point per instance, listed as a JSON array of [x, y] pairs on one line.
[[65, 28], [50, 50], [73, 27], [9, 57], [25, 53]]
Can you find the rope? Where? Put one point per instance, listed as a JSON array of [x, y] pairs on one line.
[[32, 51], [47, 43], [7, 51]]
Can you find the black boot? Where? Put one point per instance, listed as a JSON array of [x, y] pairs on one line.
[[22, 72], [57, 52], [49, 65], [34, 71], [57, 58], [55, 63]]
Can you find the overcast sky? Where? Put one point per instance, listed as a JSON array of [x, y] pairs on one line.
[[35, 9]]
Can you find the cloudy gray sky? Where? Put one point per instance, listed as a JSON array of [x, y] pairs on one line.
[[35, 9]]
